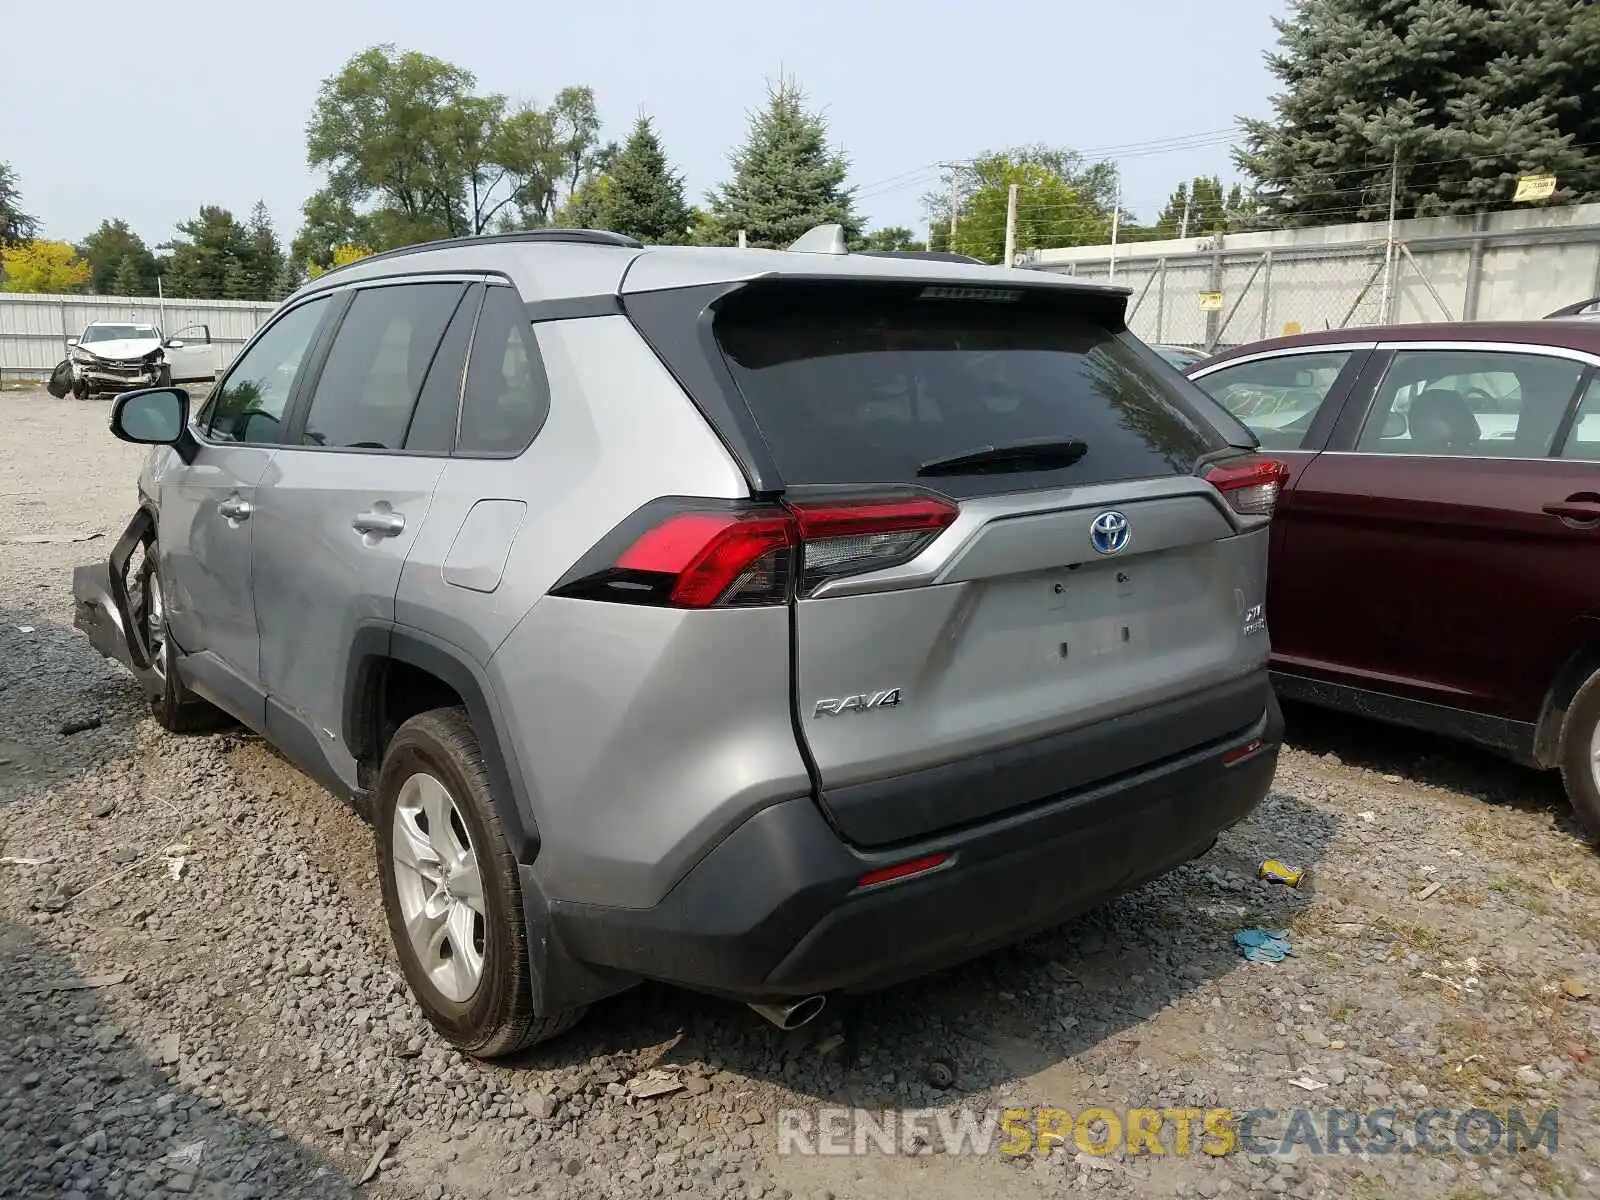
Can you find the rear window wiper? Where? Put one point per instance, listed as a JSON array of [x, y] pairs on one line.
[[1030, 454]]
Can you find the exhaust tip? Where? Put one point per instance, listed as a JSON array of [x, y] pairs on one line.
[[793, 1014]]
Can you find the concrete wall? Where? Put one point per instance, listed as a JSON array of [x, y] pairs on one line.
[[34, 329], [1507, 265]]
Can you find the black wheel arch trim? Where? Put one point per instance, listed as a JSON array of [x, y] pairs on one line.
[[376, 644]]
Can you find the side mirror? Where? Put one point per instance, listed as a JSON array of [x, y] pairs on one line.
[[175, 344], [72, 342], [151, 416]]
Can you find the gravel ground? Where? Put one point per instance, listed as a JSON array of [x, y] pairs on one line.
[[198, 996]]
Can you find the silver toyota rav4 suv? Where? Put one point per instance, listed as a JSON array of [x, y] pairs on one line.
[[772, 623]]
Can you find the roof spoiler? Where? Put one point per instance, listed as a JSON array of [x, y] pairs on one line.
[[1573, 310]]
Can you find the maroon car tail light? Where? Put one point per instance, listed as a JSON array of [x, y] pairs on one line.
[[702, 555], [1251, 486]]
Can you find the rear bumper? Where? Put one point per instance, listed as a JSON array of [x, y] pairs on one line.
[[774, 909]]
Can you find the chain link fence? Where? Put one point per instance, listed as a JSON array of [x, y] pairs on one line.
[[1238, 288]]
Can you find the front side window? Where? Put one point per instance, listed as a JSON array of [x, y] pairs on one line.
[[1278, 397], [1474, 403], [368, 387], [249, 405]]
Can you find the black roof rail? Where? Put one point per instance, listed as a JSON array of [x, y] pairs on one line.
[[586, 237], [1573, 310], [936, 255]]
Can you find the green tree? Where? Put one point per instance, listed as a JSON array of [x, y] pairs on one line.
[[1464, 95], [262, 265], [16, 226], [642, 194], [1209, 209], [786, 179], [208, 260], [575, 130], [413, 153], [1061, 201], [126, 282], [114, 252], [892, 237]]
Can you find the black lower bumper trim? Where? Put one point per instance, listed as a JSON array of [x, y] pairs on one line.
[[773, 910]]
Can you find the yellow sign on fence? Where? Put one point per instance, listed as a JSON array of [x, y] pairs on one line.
[[1210, 301], [1535, 187]]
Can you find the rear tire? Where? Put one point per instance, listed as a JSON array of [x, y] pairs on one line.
[[80, 390], [451, 891], [176, 709], [1580, 755]]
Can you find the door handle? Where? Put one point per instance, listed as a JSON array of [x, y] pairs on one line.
[[235, 509], [1583, 507], [380, 524]]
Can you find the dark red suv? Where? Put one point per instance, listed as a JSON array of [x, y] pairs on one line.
[[1436, 555]]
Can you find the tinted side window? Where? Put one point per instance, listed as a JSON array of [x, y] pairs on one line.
[[1279, 397], [433, 424], [383, 349], [1584, 440], [1470, 403], [507, 396], [250, 403]]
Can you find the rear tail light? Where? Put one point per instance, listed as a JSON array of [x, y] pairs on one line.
[[729, 557], [1251, 486]]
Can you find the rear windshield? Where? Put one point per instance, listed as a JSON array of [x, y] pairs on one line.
[[865, 385]]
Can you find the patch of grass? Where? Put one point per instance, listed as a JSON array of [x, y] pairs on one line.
[[1341, 1011]]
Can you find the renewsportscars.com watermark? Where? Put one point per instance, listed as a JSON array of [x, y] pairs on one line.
[[1476, 1132]]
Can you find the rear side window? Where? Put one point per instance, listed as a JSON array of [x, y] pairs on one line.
[[507, 396], [868, 385], [380, 356], [1277, 397], [1583, 442]]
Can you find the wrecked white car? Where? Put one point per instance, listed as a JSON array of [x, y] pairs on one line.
[[112, 357]]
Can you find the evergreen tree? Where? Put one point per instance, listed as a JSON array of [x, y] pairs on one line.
[[786, 179], [263, 261], [16, 226], [645, 196], [1210, 209], [206, 263], [127, 280], [1463, 94]]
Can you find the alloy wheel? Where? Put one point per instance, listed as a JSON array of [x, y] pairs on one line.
[[439, 887]]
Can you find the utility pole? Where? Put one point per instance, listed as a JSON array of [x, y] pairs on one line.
[[1011, 226], [1388, 241], [953, 201], [1183, 226], [1116, 221]]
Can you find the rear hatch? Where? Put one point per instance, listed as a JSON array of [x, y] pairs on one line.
[[1012, 581]]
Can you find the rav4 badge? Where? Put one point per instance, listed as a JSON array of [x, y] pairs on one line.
[[861, 702]]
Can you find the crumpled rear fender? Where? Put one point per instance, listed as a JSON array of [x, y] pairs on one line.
[[101, 605]]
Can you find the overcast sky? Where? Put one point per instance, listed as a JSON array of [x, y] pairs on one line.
[[146, 111]]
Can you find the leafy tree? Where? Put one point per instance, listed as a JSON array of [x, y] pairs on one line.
[[786, 179], [42, 266], [1210, 209], [343, 256], [330, 221], [575, 125], [642, 194], [892, 237], [208, 260], [16, 226], [114, 252], [1062, 201], [1466, 96], [412, 153]]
